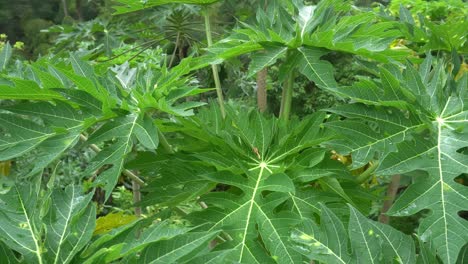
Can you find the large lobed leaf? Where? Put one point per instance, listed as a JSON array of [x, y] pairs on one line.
[[259, 165], [417, 120], [68, 224], [127, 6], [63, 101], [309, 33], [57, 226], [369, 241]]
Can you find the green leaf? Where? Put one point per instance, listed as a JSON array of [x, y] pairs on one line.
[[405, 15], [463, 255], [86, 101], [437, 191], [76, 98], [324, 243], [247, 154], [21, 136], [5, 56], [48, 80], [373, 241], [392, 86], [6, 255], [171, 251], [86, 84], [233, 49], [126, 6], [20, 226], [170, 191], [418, 122], [306, 201], [315, 69], [370, 242], [50, 146], [333, 185], [306, 18], [27, 90], [147, 133], [241, 214], [82, 68], [70, 224], [427, 254], [365, 142], [265, 58], [46, 226], [122, 242], [121, 130]]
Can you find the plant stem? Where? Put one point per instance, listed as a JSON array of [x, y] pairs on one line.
[[286, 99], [164, 143], [175, 49], [391, 194], [136, 198], [214, 67], [261, 90], [125, 172], [367, 173]]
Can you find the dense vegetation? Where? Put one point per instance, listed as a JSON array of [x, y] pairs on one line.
[[253, 131]]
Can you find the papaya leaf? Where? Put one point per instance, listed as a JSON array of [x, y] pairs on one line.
[[127, 6], [63, 102], [369, 241], [250, 157], [5, 56], [416, 122], [60, 221]]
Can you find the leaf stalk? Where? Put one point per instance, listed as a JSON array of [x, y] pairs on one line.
[[286, 99], [363, 177], [214, 67]]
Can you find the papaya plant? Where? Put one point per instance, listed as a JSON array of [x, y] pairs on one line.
[[125, 6], [120, 103], [371, 242], [261, 169], [55, 225], [229, 184], [424, 35], [300, 35], [414, 119]]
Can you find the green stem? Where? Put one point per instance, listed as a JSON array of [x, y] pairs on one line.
[[175, 49], [164, 143], [367, 173], [214, 67], [286, 99]]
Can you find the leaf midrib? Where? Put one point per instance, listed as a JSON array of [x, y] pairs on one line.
[[249, 213], [36, 243]]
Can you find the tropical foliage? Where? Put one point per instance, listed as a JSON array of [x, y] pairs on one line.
[[165, 170]]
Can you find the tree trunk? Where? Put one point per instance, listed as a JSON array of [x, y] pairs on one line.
[[136, 198], [65, 8], [391, 193], [261, 89], [78, 10]]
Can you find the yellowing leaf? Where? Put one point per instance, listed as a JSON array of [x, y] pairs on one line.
[[113, 220], [462, 71], [5, 167]]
